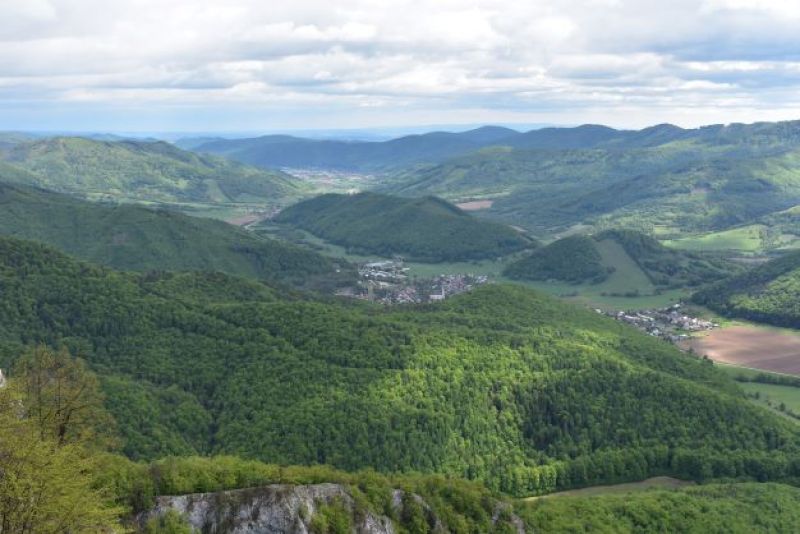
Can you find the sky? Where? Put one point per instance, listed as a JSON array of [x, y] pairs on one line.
[[267, 65]]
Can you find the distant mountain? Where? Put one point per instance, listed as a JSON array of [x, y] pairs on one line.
[[690, 180], [144, 171], [424, 229], [768, 293], [583, 259], [134, 238], [274, 151]]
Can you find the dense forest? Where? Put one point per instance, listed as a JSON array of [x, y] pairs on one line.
[[501, 385], [143, 171], [131, 237], [424, 229], [768, 293], [572, 259]]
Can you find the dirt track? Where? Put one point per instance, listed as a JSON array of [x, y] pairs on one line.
[[759, 348]]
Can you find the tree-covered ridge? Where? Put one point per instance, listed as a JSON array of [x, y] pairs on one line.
[[424, 229], [768, 293], [577, 259], [144, 171], [711, 179], [571, 259], [501, 385], [130, 237]]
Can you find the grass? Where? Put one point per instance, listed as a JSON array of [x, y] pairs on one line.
[[770, 396], [629, 487], [745, 239]]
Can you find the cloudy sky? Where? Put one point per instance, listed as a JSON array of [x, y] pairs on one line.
[[236, 65]]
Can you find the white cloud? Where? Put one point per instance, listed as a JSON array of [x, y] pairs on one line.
[[474, 59]]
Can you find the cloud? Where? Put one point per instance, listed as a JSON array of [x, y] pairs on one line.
[[358, 62]]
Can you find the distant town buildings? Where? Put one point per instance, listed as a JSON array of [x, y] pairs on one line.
[[668, 323]]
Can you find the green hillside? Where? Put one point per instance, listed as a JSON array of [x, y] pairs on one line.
[[768, 293], [144, 171], [501, 385], [584, 259], [698, 181], [423, 229], [141, 239], [716, 508]]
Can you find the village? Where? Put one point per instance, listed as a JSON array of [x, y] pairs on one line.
[[389, 282], [671, 323]]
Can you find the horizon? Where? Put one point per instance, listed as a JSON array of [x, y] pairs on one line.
[[241, 66]]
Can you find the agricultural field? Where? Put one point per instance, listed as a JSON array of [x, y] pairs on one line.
[[745, 239], [756, 347]]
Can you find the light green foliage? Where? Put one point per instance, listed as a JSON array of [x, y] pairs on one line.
[[144, 171], [716, 508], [426, 229], [170, 522], [501, 384]]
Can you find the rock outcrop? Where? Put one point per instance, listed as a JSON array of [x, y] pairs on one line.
[[285, 509]]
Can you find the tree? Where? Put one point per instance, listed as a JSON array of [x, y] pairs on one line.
[[62, 396], [47, 482]]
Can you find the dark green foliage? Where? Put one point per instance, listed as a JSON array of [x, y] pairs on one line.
[[170, 522], [141, 239], [572, 259], [716, 508], [769, 293], [667, 267], [424, 229], [143, 171], [501, 384], [332, 518], [576, 259]]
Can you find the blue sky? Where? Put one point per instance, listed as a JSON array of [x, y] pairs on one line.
[[255, 65]]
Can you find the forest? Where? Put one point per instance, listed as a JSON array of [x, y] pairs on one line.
[[502, 385], [421, 229]]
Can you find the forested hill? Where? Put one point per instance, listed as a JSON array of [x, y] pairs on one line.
[[144, 171], [592, 259], [690, 180], [142, 239], [276, 151], [769, 293], [424, 229], [502, 384]]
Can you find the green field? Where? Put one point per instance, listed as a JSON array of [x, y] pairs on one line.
[[744, 239], [628, 487], [770, 396]]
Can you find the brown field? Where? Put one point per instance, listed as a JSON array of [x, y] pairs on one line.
[[655, 482], [748, 346], [475, 205], [244, 220]]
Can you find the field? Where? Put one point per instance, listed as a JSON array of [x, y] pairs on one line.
[[744, 239], [476, 205], [756, 347], [629, 487]]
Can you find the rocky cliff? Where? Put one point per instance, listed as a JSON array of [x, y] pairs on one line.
[[293, 509]]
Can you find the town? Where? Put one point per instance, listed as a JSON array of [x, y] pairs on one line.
[[670, 323], [389, 282]]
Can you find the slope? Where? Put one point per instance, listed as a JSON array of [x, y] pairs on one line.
[[502, 384], [144, 171], [688, 180], [584, 259], [768, 293], [424, 229], [141, 239]]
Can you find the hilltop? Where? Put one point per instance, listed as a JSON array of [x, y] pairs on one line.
[[501, 385], [424, 229], [592, 259], [144, 171], [141, 239]]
